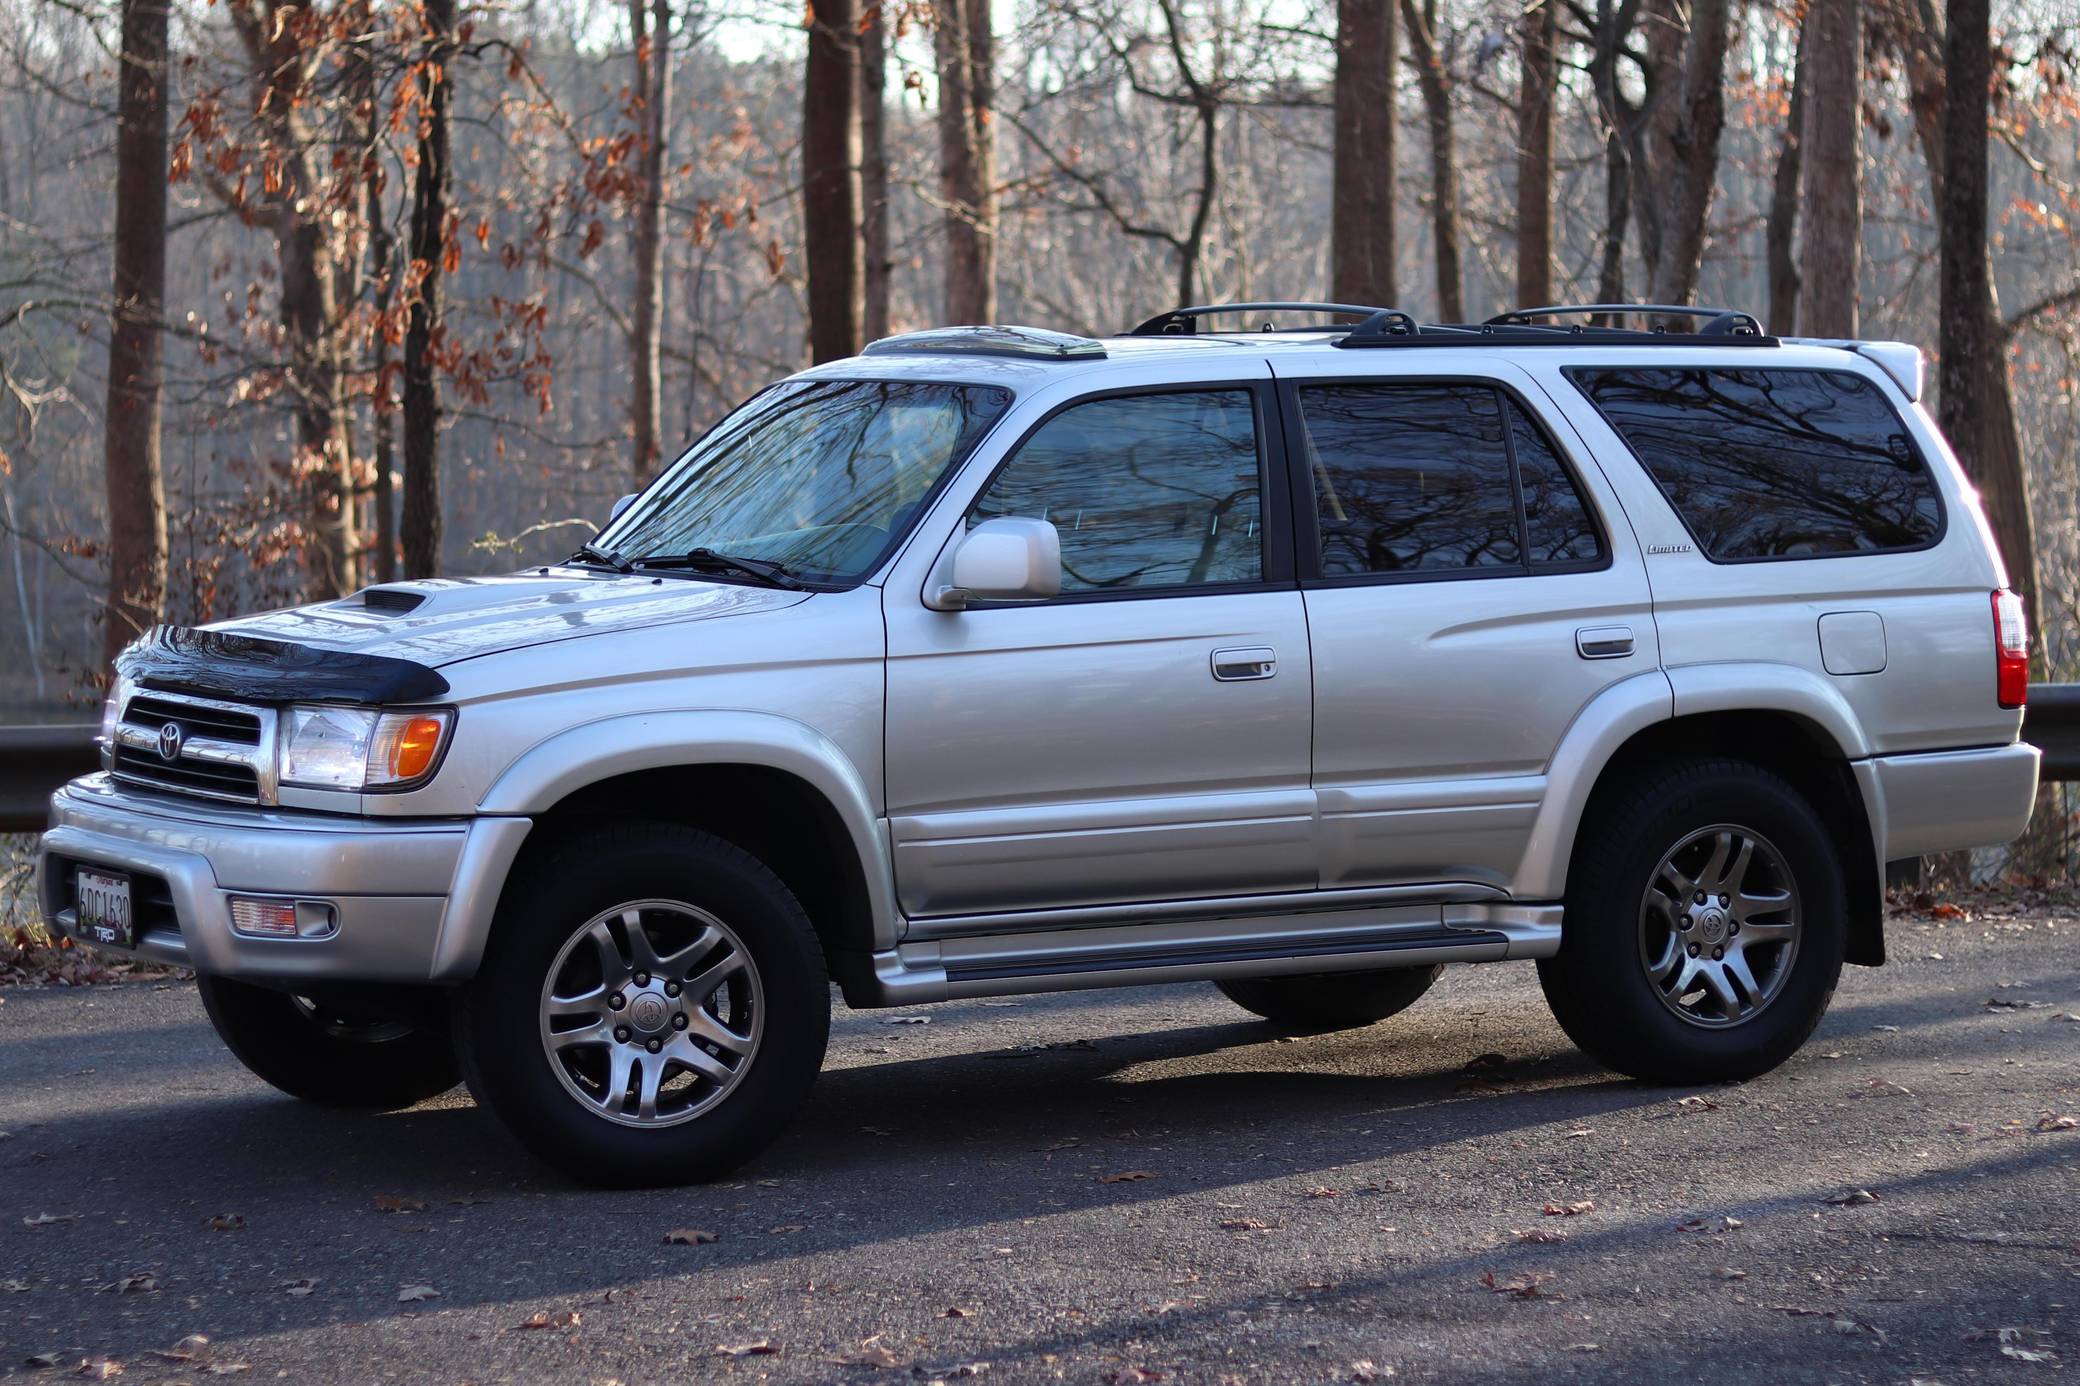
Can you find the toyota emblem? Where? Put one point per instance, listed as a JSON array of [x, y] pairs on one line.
[[171, 735]]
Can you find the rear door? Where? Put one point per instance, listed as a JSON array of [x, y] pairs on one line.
[[1471, 585]]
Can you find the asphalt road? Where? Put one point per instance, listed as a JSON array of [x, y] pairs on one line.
[[1123, 1186]]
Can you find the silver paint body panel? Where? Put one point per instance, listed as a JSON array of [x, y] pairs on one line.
[[1070, 793]]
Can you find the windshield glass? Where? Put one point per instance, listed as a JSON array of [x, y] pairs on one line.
[[821, 476]]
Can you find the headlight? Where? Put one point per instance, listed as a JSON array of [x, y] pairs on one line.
[[356, 748]]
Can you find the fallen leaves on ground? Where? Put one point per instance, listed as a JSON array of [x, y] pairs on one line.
[[227, 1222], [1530, 1285], [871, 1354], [1244, 1225], [300, 1287], [689, 1236], [2003, 1003], [46, 1219], [399, 1203], [2011, 1340], [1569, 1210], [1708, 1225], [412, 1294], [1323, 1191], [1540, 1234], [542, 1318], [99, 1368], [1127, 1176], [906, 1020], [1854, 1197], [136, 1283], [763, 1347], [1363, 1370], [2051, 1121]]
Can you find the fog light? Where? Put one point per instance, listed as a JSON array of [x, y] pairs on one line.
[[262, 917]]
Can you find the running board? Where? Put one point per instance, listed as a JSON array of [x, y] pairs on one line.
[[1181, 950]]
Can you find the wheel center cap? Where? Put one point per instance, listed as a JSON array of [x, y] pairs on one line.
[[649, 1013], [1712, 925]]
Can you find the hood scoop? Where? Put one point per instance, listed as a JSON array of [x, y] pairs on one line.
[[396, 600]]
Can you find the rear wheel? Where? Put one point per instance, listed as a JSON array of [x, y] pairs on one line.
[[652, 1009], [1331, 1000], [1704, 928], [325, 1049]]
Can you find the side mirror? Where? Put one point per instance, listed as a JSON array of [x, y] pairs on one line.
[[620, 505], [1006, 559]]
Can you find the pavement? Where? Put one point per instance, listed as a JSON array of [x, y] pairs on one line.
[[1105, 1187]]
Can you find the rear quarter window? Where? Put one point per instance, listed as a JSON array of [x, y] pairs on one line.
[[1775, 463]]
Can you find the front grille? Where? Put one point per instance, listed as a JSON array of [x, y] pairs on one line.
[[222, 751]]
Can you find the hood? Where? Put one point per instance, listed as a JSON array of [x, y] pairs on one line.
[[442, 620]]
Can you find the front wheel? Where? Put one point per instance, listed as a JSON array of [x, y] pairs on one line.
[[1704, 929], [328, 1051], [652, 1009]]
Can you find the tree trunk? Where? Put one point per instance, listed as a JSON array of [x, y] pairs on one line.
[[965, 48], [830, 182], [1973, 391], [382, 274], [1436, 85], [1688, 142], [1831, 217], [1781, 233], [130, 441], [422, 406], [873, 169], [652, 88], [1361, 199], [1618, 115], [1535, 157]]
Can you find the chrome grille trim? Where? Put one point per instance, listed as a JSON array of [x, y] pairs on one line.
[[227, 756]]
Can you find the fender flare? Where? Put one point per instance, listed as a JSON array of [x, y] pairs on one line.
[[552, 769]]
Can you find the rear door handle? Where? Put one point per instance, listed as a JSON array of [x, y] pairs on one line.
[[1603, 642], [1253, 662]]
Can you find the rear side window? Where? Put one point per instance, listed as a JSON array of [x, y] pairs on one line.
[[1431, 479], [1773, 463]]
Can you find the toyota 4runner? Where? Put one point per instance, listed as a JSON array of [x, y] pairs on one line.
[[1302, 660]]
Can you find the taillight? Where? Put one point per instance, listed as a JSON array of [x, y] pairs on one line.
[[2010, 649]]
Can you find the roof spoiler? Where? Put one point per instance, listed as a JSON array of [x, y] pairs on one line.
[[1900, 360]]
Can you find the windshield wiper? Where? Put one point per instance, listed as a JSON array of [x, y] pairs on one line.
[[589, 551], [708, 561]]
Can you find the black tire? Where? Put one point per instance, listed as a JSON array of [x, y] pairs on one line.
[[1599, 983], [310, 1050], [1331, 1000], [589, 875]]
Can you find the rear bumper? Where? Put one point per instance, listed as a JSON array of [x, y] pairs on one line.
[[413, 899], [1947, 801]]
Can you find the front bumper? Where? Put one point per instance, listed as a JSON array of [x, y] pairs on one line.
[[1947, 801], [413, 898]]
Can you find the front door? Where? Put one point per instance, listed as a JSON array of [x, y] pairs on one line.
[[1143, 736]]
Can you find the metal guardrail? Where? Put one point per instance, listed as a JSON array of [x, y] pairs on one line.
[[34, 761]]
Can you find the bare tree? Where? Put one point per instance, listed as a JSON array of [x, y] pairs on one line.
[[1831, 214], [652, 93], [130, 445], [1434, 78], [1538, 35], [873, 168], [421, 521], [1361, 198], [830, 182], [1781, 229], [1685, 163], [382, 278], [965, 48]]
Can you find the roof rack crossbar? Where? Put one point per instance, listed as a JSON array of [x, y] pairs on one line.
[[1183, 322], [1727, 322]]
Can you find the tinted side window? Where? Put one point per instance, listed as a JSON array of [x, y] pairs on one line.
[[1557, 527], [1409, 478], [1773, 463], [1145, 490]]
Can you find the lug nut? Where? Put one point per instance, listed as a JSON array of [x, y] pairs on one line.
[[1732, 928], [1688, 924], [1724, 901], [642, 979], [679, 1021], [1700, 897], [1693, 950], [616, 1001], [654, 1045], [621, 1033], [1718, 953], [671, 988]]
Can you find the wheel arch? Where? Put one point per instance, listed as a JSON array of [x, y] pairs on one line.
[[773, 786]]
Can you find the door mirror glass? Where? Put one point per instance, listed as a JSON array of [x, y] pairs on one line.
[[620, 505], [1007, 559]]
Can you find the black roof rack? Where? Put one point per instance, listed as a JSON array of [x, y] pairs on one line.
[[1184, 322], [1718, 322]]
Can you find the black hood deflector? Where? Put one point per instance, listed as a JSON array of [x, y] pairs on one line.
[[253, 669]]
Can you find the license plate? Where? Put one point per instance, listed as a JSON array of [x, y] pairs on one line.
[[104, 908]]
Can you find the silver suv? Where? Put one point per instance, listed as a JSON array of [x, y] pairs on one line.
[[1301, 660]]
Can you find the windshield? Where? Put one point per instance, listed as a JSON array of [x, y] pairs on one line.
[[819, 476]]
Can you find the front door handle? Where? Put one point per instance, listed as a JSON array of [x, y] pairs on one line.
[[1603, 642], [1254, 662]]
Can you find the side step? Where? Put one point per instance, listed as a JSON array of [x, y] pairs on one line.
[[1179, 950]]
